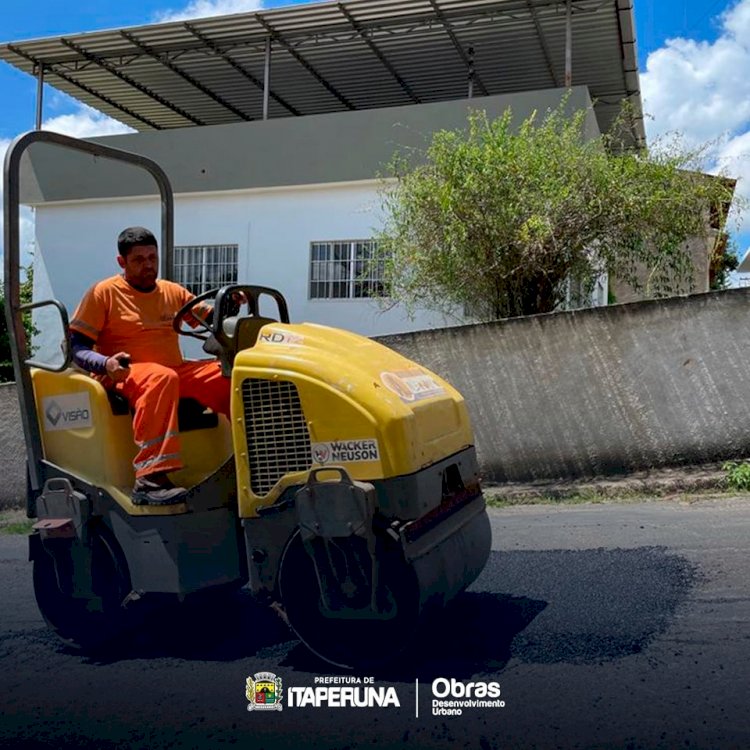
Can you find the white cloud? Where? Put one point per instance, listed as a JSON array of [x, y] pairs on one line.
[[697, 88], [204, 8], [734, 160], [702, 91], [85, 122], [737, 20]]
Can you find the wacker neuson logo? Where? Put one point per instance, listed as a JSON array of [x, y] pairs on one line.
[[346, 451], [67, 411]]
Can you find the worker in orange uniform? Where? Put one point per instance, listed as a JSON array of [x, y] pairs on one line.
[[122, 331]]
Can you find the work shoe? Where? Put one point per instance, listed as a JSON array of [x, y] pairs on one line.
[[156, 489]]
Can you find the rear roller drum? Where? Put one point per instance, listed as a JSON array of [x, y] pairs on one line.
[[331, 605], [90, 622]]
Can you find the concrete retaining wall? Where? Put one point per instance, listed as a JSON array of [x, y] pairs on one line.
[[604, 390], [12, 449], [573, 394]]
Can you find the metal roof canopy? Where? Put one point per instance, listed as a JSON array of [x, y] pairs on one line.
[[338, 56]]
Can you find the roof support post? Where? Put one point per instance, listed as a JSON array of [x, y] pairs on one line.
[[217, 50], [39, 96], [471, 72], [267, 78], [279, 39], [454, 39], [568, 44]]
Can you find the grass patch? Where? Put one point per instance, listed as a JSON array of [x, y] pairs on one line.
[[15, 522], [496, 498], [576, 498]]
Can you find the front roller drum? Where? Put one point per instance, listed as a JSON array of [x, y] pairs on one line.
[[345, 624], [348, 593], [357, 600]]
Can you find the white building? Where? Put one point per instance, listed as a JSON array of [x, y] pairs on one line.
[[743, 270], [274, 128]]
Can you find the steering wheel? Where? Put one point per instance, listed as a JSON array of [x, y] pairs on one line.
[[203, 328], [226, 305], [220, 330]]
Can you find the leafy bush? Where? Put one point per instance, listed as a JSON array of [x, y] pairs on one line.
[[498, 219], [738, 475]]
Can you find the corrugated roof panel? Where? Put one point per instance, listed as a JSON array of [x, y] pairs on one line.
[[338, 55]]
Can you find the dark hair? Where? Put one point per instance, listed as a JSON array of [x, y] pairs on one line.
[[133, 236]]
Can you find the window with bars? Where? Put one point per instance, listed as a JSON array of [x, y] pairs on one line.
[[203, 267], [347, 269]]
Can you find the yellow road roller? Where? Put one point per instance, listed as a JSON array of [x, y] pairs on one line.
[[343, 490]]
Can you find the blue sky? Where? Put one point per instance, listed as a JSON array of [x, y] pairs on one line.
[[694, 59]]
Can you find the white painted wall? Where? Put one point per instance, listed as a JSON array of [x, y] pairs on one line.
[[76, 246]]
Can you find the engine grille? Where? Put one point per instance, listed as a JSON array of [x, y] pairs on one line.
[[278, 441]]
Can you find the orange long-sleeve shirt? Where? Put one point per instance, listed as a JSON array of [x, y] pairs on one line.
[[118, 318]]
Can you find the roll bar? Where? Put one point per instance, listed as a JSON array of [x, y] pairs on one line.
[[12, 283]]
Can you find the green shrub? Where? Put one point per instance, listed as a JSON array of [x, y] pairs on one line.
[[738, 475]]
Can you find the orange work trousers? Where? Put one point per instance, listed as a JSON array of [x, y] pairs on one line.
[[154, 391]]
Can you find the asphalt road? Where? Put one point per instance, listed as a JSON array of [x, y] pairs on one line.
[[604, 626]]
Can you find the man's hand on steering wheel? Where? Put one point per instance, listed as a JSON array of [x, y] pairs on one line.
[[200, 316], [197, 314], [236, 301]]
